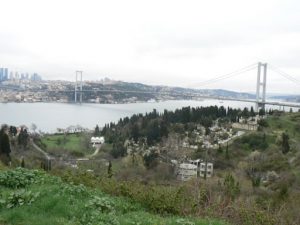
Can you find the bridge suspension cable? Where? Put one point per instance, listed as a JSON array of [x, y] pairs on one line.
[[284, 74], [226, 76]]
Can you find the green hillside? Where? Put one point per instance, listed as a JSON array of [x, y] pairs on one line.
[[35, 198], [256, 181]]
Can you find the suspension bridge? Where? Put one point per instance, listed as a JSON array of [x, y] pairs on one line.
[[260, 99], [261, 87]]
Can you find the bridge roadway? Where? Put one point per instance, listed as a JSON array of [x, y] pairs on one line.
[[176, 94], [173, 94]]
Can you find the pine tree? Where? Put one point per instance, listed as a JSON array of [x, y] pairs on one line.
[[23, 137], [4, 145], [23, 162], [135, 132], [227, 152], [97, 131], [109, 170], [252, 113], [285, 143]]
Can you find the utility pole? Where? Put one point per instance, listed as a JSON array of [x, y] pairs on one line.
[[205, 174]]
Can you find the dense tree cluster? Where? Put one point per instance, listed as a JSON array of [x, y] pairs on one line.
[[155, 126], [11, 132]]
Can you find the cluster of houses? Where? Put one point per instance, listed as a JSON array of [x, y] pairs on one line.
[[218, 136], [250, 124], [72, 130]]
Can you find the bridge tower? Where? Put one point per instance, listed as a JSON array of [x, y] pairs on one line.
[[78, 84], [261, 83]]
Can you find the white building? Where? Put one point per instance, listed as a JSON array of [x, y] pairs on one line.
[[196, 162], [187, 171], [97, 141], [194, 168], [207, 168]]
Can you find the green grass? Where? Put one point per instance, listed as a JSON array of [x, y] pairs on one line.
[[76, 144], [64, 203]]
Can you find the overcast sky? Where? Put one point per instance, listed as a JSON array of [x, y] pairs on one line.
[[178, 43]]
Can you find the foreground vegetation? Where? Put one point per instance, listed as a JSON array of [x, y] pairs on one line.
[[33, 197], [256, 176]]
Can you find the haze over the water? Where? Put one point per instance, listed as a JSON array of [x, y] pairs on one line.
[[168, 42]]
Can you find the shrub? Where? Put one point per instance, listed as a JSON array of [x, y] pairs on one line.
[[19, 198], [231, 187], [263, 123], [150, 159], [74, 189], [103, 204], [20, 178], [76, 153]]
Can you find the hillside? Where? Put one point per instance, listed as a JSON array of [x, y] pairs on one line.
[[142, 92], [256, 178], [287, 98], [35, 198]]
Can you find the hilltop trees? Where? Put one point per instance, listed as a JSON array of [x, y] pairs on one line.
[[135, 132], [154, 126], [13, 131], [153, 132], [23, 138], [97, 131]]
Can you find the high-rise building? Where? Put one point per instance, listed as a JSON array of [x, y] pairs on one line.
[[5, 75], [36, 77], [17, 76], [1, 74], [11, 75]]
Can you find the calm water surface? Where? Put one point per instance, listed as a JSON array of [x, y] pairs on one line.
[[50, 116]]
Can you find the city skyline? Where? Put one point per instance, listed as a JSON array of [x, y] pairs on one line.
[[7, 74], [162, 43]]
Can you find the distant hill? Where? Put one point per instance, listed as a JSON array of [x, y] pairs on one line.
[[146, 92], [106, 91], [287, 98]]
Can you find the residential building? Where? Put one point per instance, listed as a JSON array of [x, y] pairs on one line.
[[206, 168], [187, 171], [97, 141]]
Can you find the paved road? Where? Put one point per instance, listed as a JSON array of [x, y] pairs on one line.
[[98, 147], [41, 150]]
